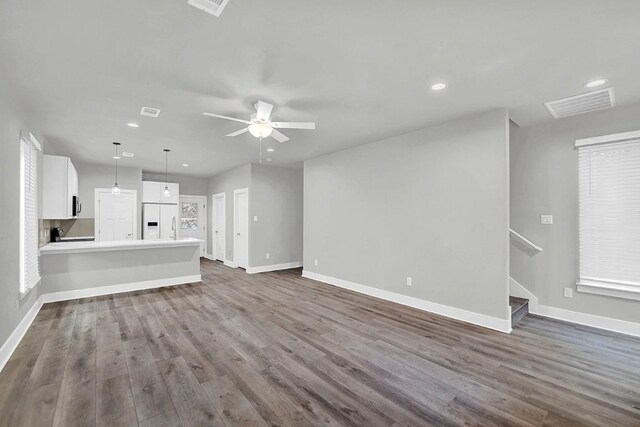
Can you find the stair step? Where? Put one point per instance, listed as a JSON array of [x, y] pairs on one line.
[[519, 309]]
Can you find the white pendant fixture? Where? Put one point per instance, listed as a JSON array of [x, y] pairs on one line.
[[166, 192], [116, 188]]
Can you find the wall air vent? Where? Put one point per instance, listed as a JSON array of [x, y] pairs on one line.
[[213, 7], [580, 104], [150, 112]]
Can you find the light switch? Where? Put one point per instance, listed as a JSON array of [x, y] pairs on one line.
[[255, 218], [315, 262], [568, 292], [409, 281], [546, 219], [268, 255]]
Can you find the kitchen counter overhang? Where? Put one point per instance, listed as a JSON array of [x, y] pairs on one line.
[[72, 270]]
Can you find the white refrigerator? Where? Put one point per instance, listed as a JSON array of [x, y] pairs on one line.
[[159, 221]]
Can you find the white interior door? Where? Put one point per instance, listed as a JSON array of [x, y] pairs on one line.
[[218, 226], [241, 227], [115, 215], [192, 219]]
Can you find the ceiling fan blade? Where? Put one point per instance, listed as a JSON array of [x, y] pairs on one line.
[[279, 136], [227, 118], [239, 132], [293, 125], [264, 110]]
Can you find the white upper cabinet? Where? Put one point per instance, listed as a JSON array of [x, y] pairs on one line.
[[152, 192], [59, 185]]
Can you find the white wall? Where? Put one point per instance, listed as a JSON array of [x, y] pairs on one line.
[[226, 183], [544, 180], [431, 204], [276, 199]]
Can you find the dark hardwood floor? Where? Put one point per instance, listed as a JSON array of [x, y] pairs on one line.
[[277, 349]]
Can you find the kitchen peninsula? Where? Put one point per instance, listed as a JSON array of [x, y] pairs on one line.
[[72, 270]]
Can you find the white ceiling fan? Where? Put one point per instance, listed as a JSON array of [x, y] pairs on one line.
[[261, 126]]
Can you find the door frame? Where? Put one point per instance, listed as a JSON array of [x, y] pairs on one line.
[[204, 214], [96, 211], [220, 197], [236, 193]]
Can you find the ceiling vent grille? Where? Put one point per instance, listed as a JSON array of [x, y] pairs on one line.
[[150, 112], [213, 7], [580, 104]]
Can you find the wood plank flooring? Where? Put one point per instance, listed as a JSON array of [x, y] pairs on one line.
[[280, 350]]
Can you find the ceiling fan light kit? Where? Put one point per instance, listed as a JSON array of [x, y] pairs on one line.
[[260, 125]]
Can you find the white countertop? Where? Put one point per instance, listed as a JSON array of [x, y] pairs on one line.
[[80, 247]]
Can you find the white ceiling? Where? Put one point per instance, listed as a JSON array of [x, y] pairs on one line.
[[360, 68]]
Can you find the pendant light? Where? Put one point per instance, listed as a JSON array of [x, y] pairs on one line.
[[116, 188], [166, 192]]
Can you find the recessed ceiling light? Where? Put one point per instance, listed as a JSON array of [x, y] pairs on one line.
[[269, 159], [439, 86], [271, 150], [596, 83], [116, 157], [126, 154], [133, 125], [186, 165]]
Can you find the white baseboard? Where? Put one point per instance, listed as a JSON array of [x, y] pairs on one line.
[[517, 290], [273, 267], [502, 325], [230, 264], [600, 322], [116, 289], [209, 257], [14, 339]]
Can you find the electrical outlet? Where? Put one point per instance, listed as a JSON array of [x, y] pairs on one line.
[[546, 219], [268, 255], [568, 292], [255, 218], [409, 281], [315, 262]]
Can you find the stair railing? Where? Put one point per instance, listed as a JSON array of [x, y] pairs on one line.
[[528, 243]]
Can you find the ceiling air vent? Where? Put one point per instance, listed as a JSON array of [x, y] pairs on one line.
[[150, 112], [214, 7], [580, 104]]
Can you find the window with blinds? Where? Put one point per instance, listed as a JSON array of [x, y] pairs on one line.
[[29, 268], [609, 192]]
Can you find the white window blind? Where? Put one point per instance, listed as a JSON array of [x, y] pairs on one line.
[[29, 268], [609, 191]]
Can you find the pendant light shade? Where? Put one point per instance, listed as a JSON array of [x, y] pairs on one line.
[[166, 192], [116, 188]]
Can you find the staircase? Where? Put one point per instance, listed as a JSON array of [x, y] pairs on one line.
[[519, 309]]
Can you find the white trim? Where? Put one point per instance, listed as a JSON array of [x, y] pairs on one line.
[[618, 290], [235, 225], [117, 289], [605, 139], [214, 253], [96, 210], [16, 336], [600, 322], [30, 139], [209, 256], [517, 290], [501, 325], [273, 267], [230, 264]]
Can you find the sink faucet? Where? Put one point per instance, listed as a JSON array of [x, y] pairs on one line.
[[174, 229]]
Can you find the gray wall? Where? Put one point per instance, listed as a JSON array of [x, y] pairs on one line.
[[226, 183], [276, 198], [189, 185], [12, 120], [431, 204], [544, 180]]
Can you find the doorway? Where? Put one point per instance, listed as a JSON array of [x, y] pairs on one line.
[[241, 227], [115, 215], [192, 210], [218, 226]]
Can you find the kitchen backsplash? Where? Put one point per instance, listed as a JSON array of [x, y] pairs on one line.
[[72, 228]]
